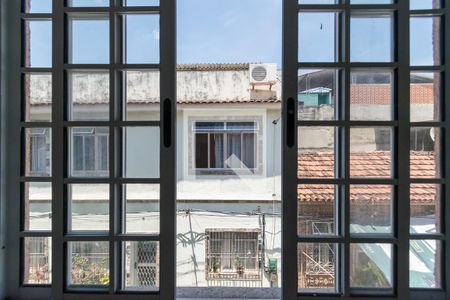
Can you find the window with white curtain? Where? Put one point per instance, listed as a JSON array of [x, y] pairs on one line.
[[225, 145]]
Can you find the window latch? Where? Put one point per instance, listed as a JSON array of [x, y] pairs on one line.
[[290, 122], [167, 123]]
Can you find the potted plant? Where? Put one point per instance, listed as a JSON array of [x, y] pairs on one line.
[[239, 266], [215, 264]]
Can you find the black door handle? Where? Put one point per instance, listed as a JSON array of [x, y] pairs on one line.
[[290, 122], [167, 123]]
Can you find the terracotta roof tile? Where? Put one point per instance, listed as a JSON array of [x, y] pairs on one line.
[[213, 67], [210, 101], [368, 164]]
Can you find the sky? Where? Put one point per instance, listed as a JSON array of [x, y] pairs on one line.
[[228, 31]]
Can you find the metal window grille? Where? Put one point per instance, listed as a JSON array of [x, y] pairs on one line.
[[144, 264], [233, 255], [38, 260]]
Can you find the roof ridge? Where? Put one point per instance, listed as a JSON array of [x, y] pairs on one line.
[[213, 66]]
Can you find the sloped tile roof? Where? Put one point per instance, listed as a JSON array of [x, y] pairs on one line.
[[375, 94], [422, 164], [210, 101], [213, 67], [375, 164], [316, 165], [368, 164]]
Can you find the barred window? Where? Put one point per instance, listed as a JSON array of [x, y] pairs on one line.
[[233, 254]]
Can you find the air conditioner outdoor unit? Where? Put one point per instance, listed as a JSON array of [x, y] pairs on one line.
[[263, 73]]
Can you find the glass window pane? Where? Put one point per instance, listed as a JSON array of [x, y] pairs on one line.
[[370, 1], [371, 95], [140, 2], [425, 41], [237, 105], [317, 37], [371, 152], [371, 38], [88, 263], [101, 150], [37, 260], [37, 205], [37, 152], [424, 4], [425, 263], [316, 152], [317, 209], [142, 39], [371, 209], [249, 150], [89, 151], [141, 152], [89, 95], [425, 96], [38, 44], [38, 6], [89, 207], [142, 208], [426, 151], [318, 1], [89, 43], [201, 151], [426, 205], [371, 266], [38, 97], [209, 126], [88, 3], [234, 151], [216, 151], [318, 94], [142, 95], [141, 265], [317, 268], [238, 126]]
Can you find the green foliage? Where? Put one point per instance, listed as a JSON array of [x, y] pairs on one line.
[[89, 272], [216, 262], [369, 275]]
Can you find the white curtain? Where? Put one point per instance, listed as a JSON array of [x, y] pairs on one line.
[[217, 151], [234, 150], [248, 155]]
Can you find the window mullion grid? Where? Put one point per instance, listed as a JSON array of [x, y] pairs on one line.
[[289, 151], [118, 125], [59, 161], [339, 125], [25, 159], [225, 150], [442, 272], [402, 148], [209, 149], [446, 100], [114, 159], [112, 140], [344, 264], [168, 159], [345, 205]]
